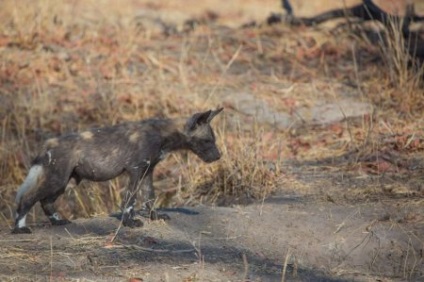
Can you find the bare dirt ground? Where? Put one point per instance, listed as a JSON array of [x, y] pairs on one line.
[[346, 195], [304, 237]]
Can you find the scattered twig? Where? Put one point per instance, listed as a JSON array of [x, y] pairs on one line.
[[136, 247], [286, 261]]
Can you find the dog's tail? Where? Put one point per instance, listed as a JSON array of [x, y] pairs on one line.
[[31, 181]]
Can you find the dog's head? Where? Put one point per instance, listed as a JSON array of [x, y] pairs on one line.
[[200, 136]]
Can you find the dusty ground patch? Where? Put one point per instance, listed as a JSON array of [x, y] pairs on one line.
[[304, 237]]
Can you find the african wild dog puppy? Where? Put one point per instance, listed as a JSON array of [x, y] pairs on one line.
[[101, 154]]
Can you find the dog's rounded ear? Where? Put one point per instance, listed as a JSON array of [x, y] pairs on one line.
[[201, 118], [197, 119], [214, 113]]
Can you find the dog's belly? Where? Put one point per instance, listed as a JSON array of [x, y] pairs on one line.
[[97, 175], [99, 169]]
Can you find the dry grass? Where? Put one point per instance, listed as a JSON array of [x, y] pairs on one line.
[[404, 72], [70, 66]]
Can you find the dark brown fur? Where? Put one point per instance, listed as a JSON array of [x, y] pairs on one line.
[[101, 154]]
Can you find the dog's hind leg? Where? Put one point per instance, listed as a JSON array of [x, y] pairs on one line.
[[26, 203], [54, 186], [26, 197], [50, 211]]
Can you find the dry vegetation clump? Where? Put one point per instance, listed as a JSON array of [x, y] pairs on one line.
[[391, 143], [389, 74], [405, 71], [243, 175]]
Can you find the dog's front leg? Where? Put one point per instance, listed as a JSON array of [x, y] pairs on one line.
[[149, 199], [130, 198]]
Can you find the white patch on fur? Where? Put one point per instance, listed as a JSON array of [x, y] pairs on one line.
[[134, 137], [49, 154], [129, 209], [22, 222], [55, 216], [30, 181]]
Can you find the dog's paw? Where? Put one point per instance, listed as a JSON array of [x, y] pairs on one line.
[[57, 219], [60, 221], [154, 215]]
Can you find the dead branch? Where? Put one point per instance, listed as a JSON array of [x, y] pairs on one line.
[[366, 11]]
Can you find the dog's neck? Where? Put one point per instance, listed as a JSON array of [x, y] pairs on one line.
[[174, 137]]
